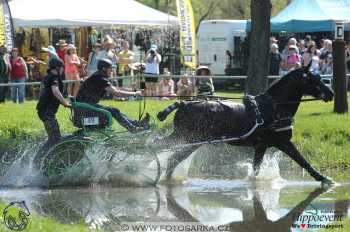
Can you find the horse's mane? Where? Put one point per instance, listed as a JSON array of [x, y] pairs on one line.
[[278, 85]]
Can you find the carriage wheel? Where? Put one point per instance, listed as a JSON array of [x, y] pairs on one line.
[[134, 164], [66, 163]]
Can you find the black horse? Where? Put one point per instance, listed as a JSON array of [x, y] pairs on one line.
[[261, 122]]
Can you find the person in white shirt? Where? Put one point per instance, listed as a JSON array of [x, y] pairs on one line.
[[167, 87], [152, 61]]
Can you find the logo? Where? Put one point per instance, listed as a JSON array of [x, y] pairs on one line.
[[315, 218], [16, 216]]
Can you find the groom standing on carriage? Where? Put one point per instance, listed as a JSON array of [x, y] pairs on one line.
[[97, 85]]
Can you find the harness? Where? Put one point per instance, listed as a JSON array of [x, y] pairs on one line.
[[249, 100]]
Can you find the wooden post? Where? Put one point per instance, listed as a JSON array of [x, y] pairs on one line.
[[339, 77]]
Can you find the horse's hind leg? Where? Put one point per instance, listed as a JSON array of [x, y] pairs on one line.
[[177, 158], [258, 158], [289, 148]]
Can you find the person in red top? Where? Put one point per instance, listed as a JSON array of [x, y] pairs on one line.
[[19, 74], [62, 49]]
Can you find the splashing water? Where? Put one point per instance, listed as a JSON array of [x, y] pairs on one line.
[[112, 165], [103, 164], [269, 169]]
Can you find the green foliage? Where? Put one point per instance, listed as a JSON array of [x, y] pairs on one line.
[[213, 9]]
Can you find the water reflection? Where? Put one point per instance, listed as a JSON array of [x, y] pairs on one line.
[[240, 207]]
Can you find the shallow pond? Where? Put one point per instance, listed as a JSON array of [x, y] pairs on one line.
[[200, 205]]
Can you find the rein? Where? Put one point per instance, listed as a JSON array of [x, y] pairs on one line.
[[234, 98]]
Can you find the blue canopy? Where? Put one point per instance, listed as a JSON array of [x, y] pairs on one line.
[[311, 16]]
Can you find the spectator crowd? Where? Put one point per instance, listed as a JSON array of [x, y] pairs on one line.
[[14, 68], [300, 53]]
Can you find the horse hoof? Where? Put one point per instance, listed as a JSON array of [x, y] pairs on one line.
[[328, 183]]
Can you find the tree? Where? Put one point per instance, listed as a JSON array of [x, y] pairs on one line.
[[258, 62]]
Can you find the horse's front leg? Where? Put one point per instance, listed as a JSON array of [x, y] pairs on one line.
[[177, 158], [258, 158], [289, 148]]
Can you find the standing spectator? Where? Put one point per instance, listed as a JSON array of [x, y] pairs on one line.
[[19, 74], [347, 60], [94, 56], [51, 53], [167, 87], [152, 61], [204, 85], [275, 60], [184, 86], [125, 59], [312, 54], [108, 52], [327, 65], [308, 40], [301, 47], [72, 64], [61, 49], [273, 40], [292, 60], [291, 42], [229, 59], [347, 56], [5, 69], [326, 49]]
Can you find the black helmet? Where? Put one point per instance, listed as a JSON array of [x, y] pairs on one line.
[[55, 62], [104, 63]]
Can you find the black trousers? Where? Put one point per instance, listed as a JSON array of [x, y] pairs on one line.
[[52, 128], [3, 90]]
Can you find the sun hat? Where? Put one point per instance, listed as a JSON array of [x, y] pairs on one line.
[[62, 42], [201, 67], [153, 47], [292, 47], [274, 46], [50, 49], [71, 46]]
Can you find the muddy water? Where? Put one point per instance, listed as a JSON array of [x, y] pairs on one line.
[[216, 204]]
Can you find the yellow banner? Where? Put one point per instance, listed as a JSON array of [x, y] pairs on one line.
[[2, 25], [6, 29], [187, 32]]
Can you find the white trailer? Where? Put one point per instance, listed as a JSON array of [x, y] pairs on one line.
[[215, 37]]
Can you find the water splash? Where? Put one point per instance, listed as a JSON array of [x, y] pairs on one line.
[[102, 165], [113, 165]]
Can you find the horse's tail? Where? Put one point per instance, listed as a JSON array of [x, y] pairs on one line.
[[162, 115]]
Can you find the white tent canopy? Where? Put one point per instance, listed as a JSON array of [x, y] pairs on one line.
[[76, 13]]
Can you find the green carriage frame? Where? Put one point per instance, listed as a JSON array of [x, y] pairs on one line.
[[68, 162]]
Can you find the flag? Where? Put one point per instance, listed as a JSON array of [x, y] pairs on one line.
[[187, 32], [6, 25]]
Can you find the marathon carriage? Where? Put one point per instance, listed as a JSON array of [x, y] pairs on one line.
[[71, 160]]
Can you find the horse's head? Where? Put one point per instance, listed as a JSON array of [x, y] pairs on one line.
[[313, 85]]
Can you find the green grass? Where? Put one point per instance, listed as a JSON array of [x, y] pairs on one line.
[[38, 223], [322, 136]]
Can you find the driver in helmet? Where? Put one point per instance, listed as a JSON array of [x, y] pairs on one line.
[[97, 85], [50, 100]]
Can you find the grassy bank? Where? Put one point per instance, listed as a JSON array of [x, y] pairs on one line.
[[322, 136]]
